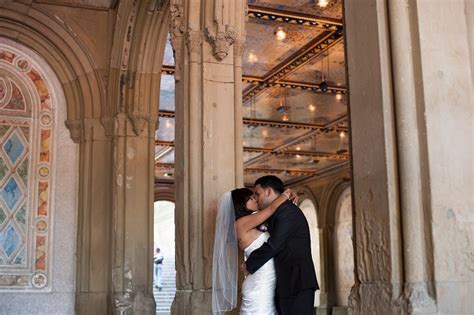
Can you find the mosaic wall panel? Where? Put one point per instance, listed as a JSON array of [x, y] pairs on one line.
[[26, 140]]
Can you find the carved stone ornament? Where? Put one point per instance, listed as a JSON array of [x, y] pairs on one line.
[[194, 41], [138, 119], [176, 32], [75, 128], [221, 41], [239, 47], [108, 123], [156, 5]]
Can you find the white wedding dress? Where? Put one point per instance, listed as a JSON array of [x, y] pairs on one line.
[[258, 289]]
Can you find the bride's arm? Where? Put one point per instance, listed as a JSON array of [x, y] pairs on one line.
[[249, 222]]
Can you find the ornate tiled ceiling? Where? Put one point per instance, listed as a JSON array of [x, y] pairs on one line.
[[294, 93]]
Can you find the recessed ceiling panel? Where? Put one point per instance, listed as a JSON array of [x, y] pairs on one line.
[[333, 9], [264, 51], [295, 105], [167, 92], [269, 137], [165, 130], [329, 67]]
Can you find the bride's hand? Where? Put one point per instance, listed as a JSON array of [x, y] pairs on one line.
[[292, 195]]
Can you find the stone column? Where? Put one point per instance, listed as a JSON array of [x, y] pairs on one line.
[[411, 146], [207, 131], [132, 218], [93, 251], [326, 282], [374, 159]]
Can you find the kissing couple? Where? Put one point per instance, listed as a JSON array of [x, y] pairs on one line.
[[278, 268]]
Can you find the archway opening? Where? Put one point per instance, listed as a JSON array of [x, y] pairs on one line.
[[164, 273], [343, 249], [309, 211]]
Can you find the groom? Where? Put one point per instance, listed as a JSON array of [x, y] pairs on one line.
[[290, 247]]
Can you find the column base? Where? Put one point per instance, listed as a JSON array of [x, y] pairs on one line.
[[192, 302], [322, 310], [129, 303], [416, 299], [91, 303], [371, 298]]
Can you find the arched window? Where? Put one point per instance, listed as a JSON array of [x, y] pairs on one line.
[[28, 123], [164, 239]]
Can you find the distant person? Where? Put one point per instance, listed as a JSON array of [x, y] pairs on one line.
[[158, 268]]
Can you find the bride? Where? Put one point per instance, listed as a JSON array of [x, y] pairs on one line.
[[239, 226]]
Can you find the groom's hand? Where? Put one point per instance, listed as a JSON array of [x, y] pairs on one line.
[[243, 268]]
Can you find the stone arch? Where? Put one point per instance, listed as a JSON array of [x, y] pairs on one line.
[[68, 57], [329, 199], [42, 251], [164, 194], [135, 68]]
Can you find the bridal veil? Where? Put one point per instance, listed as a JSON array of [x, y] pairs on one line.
[[225, 259]]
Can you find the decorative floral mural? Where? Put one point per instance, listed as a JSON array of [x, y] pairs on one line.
[[26, 140]]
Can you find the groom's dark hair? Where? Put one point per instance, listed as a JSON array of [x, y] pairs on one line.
[[271, 181]]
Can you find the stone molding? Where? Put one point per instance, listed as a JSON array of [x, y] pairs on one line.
[[177, 28]]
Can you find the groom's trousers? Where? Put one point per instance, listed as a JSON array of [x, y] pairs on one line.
[[302, 304]]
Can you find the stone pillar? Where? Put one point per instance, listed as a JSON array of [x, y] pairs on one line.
[[208, 122], [93, 251], [374, 159], [326, 282], [132, 218], [413, 173]]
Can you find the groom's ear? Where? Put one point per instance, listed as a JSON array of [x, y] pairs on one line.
[[268, 191]]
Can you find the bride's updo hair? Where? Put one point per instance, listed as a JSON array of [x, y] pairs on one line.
[[240, 196]]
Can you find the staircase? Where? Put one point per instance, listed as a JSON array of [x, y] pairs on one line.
[[165, 297]]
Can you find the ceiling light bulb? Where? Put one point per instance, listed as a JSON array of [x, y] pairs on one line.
[[252, 57], [285, 117], [342, 134], [323, 3], [168, 124], [298, 148], [298, 156], [265, 132], [312, 108], [338, 96], [280, 34]]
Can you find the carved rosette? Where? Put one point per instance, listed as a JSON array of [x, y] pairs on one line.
[[221, 41], [75, 127]]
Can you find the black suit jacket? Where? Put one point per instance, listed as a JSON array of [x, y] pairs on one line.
[[290, 246]]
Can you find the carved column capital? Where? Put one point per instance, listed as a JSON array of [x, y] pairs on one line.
[[76, 128], [194, 41], [239, 47], [108, 123], [138, 118], [221, 41], [177, 28]]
